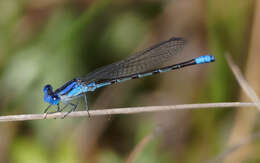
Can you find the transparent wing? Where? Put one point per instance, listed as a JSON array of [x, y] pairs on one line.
[[140, 62]]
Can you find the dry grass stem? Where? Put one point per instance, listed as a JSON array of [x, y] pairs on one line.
[[242, 81], [131, 110]]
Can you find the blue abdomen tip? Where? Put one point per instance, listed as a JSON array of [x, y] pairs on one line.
[[205, 59]]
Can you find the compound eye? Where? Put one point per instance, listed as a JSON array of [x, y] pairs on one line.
[[47, 88]]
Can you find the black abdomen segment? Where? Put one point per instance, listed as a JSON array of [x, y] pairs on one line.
[[148, 73], [198, 60]]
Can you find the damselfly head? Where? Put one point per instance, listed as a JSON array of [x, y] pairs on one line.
[[49, 96]]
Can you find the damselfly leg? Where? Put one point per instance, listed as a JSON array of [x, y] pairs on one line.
[[86, 103], [74, 107], [45, 111]]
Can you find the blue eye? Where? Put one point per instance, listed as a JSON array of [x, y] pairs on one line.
[[47, 88]]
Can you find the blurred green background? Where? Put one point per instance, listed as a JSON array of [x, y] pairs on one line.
[[52, 41]]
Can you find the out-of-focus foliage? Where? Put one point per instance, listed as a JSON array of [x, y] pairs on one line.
[[52, 42]]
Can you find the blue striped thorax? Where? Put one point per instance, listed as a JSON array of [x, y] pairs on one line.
[[69, 90]]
